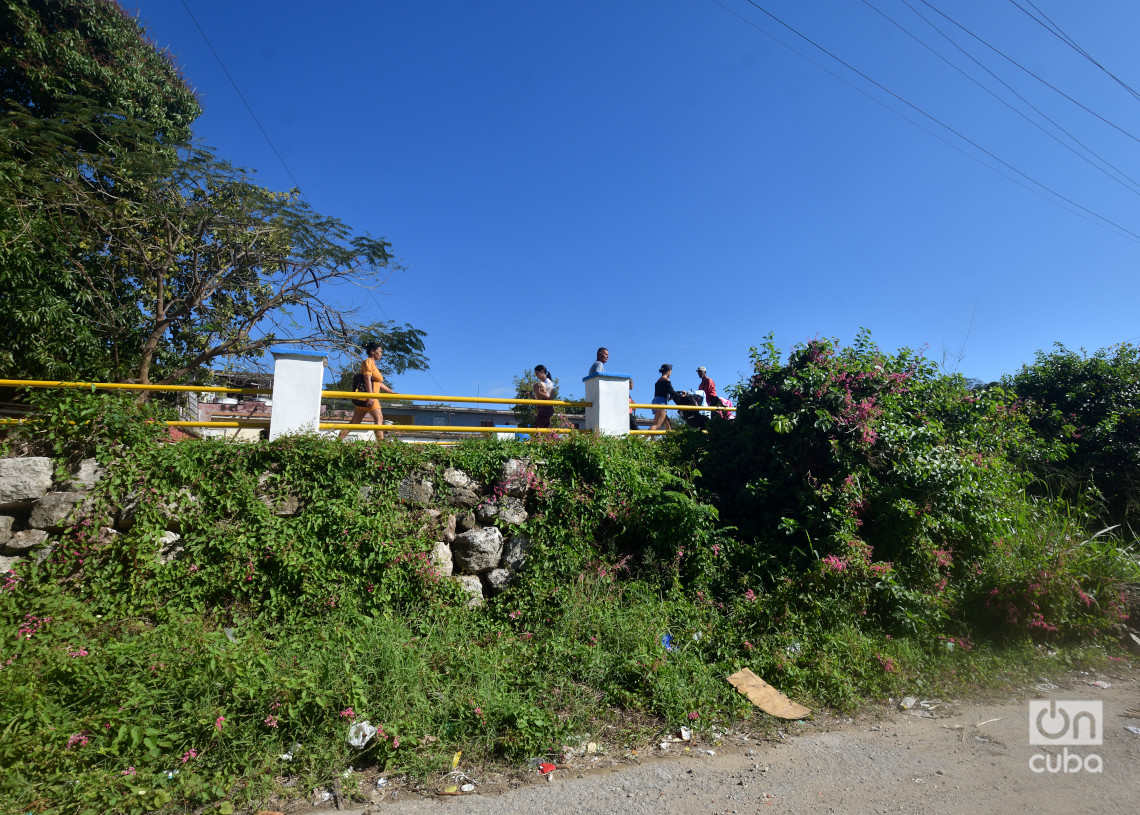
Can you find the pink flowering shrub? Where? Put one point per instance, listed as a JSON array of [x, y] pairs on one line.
[[879, 483]]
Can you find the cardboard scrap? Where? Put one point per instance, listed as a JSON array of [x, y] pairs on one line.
[[765, 697]]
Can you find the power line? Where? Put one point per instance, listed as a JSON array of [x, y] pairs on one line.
[[237, 90], [937, 121], [1090, 162], [1056, 31], [907, 119], [1044, 82]]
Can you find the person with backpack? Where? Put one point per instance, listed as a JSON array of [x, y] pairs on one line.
[[369, 380]]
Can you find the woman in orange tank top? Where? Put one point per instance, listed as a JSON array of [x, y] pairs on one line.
[[373, 383]]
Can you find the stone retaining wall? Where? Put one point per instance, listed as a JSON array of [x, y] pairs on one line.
[[479, 542]]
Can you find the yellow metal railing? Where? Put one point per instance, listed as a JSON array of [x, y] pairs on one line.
[[333, 394], [256, 424], [119, 386], [680, 407], [416, 397]]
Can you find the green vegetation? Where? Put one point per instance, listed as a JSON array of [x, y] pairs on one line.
[[882, 543], [127, 251], [1092, 404]]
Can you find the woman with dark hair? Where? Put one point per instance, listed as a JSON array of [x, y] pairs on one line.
[[373, 383], [543, 389], [662, 393]]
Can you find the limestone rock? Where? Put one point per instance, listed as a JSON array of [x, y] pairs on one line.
[[7, 563], [478, 550], [441, 559], [51, 511], [416, 489], [508, 510], [512, 512], [473, 586], [128, 512], [464, 491], [497, 579], [449, 529], [23, 480], [457, 479], [517, 476], [465, 498], [23, 542], [487, 512], [6, 522], [89, 473], [466, 522], [169, 547], [514, 553]]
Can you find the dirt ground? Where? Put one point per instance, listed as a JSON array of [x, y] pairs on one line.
[[954, 757]]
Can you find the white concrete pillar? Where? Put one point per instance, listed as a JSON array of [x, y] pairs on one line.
[[609, 395], [298, 380]]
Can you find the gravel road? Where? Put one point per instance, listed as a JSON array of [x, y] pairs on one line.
[[974, 758]]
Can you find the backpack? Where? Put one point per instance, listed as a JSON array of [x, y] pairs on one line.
[[358, 385]]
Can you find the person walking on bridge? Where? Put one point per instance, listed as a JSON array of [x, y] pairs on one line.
[[373, 382]]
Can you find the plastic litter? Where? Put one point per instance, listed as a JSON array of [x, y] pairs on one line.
[[1044, 686], [1099, 683], [1132, 729], [322, 796], [686, 734], [381, 783], [360, 734], [667, 642], [908, 702], [546, 768], [230, 634], [292, 751], [710, 752], [455, 759], [467, 788]]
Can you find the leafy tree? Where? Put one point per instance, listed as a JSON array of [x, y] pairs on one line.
[[185, 260], [55, 51], [1092, 404], [79, 86]]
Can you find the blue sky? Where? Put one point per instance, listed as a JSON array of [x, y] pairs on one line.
[[670, 180]]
